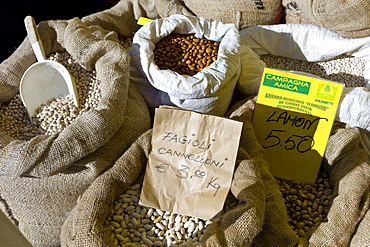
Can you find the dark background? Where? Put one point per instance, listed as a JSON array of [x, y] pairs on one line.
[[13, 12]]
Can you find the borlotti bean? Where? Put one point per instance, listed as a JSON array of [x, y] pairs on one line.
[[184, 53], [131, 224]]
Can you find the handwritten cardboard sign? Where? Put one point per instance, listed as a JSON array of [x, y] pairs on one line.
[[192, 162], [292, 121]]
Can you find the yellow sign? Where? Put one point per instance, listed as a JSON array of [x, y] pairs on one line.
[[292, 121], [143, 20]]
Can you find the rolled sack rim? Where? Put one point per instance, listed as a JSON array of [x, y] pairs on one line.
[[206, 82]]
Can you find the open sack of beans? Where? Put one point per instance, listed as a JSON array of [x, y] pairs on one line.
[[46, 165], [334, 211], [315, 50], [350, 18], [108, 213], [186, 61]]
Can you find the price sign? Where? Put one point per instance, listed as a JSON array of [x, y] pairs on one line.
[[191, 165], [292, 121]]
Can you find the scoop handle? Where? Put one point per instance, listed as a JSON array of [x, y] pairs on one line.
[[34, 38]]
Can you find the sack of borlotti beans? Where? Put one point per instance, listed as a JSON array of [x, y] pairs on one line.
[[203, 65], [350, 19]]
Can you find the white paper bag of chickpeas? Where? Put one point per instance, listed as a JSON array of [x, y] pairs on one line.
[[185, 61]]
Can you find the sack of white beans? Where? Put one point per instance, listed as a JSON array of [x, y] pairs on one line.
[[43, 173], [108, 214]]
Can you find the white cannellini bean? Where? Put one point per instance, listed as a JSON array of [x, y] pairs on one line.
[[160, 225], [149, 213], [160, 212], [147, 241], [187, 224], [179, 226], [54, 116], [191, 227]]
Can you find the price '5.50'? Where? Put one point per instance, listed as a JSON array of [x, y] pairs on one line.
[[292, 142]]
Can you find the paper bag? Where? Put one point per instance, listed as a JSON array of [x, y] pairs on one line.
[[191, 164]]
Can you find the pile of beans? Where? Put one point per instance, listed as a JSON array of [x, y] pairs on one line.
[[184, 53], [344, 68], [307, 204], [132, 225]]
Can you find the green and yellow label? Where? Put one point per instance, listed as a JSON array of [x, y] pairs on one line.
[[287, 83], [292, 121]]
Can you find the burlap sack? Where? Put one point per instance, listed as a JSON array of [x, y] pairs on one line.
[[362, 237], [350, 19], [242, 13], [41, 179], [275, 230], [260, 219], [52, 171], [84, 225], [122, 18], [294, 14], [349, 167]]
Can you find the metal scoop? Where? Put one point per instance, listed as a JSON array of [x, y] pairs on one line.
[[45, 79]]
